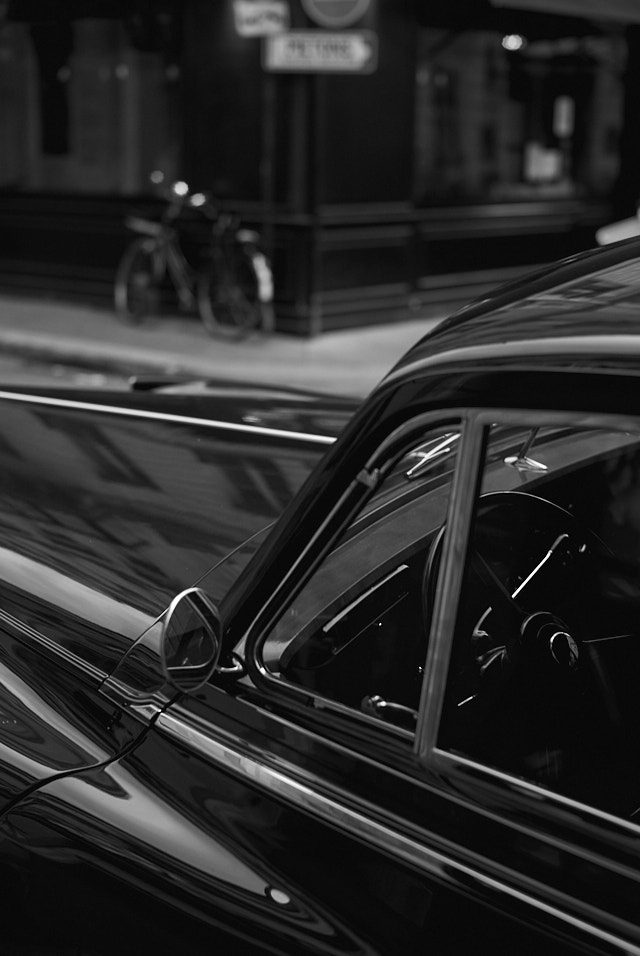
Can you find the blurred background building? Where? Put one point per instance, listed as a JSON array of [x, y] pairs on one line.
[[396, 154]]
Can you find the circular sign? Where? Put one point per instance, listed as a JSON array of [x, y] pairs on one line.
[[335, 13]]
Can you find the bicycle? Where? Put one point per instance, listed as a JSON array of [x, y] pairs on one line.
[[232, 292], [235, 287]]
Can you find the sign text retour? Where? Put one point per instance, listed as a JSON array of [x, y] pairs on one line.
[[317, 51]]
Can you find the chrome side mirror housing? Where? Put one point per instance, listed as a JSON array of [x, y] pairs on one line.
[[177, 653], [190, 641]]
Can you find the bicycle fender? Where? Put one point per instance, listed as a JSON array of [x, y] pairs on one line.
[[264, 276]]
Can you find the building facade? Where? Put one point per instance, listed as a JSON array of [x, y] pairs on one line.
[[396, 154]]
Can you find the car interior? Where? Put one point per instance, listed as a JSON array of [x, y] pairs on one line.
[[547, 641], [546, 645]]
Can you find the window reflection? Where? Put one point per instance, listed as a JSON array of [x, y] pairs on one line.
[[86, 107], [131, 509], [507, 118]]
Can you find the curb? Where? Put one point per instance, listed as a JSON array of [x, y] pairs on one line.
[[347, 362], [88, 355]]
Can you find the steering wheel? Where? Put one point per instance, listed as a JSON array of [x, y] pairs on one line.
[[527, 567], [520, 673]]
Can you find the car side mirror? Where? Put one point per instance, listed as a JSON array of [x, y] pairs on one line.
[[178, 652], [190, 641]]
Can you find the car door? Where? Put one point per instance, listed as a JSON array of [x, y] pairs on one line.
[[284, 807], [537, 721]]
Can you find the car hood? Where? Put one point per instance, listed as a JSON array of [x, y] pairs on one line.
[[113, 502]]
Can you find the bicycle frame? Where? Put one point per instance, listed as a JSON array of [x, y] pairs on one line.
[[233, 291], [168, 257]]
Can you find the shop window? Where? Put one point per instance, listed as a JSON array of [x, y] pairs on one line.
[[85, 107], [553, 106]]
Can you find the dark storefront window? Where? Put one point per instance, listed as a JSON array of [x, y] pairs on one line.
[[505, 117], [83, 109]]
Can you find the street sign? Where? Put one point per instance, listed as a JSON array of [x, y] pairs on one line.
[[317, 51], [335, 13], [259, 18]]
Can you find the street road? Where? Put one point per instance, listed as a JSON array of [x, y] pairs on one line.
[[19, 370]]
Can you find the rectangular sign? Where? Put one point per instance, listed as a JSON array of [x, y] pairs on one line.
[[260, 18], [318, 51]]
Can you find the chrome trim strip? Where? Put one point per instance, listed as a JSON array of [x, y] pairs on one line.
[[147, 712], [59, 650], [163, 416], [444, 761], [283, 783]]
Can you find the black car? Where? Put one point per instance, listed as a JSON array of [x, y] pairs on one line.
[[280, 675]]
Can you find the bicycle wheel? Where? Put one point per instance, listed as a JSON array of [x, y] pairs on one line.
[[231, 297], [136, 292]]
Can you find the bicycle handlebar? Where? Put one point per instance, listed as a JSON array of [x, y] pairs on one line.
[[176, 204], [179, 197]]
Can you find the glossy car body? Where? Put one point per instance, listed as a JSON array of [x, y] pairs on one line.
[[420, 734]]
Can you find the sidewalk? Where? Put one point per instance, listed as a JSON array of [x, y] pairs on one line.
[[348, 362]]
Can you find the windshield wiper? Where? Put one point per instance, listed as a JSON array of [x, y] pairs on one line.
[[521, 461], [427, 453]]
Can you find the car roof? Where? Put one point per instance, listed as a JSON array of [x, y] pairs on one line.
[[585, 306]]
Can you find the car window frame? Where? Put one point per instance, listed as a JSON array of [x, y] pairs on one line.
[[379, 464], [462, 772]]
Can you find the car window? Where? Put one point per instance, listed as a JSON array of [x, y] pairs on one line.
[[356, 634], [542, 680]]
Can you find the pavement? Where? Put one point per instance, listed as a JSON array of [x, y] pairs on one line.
[[348, 362]]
